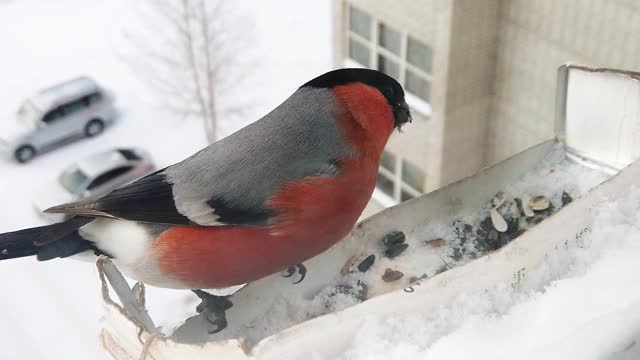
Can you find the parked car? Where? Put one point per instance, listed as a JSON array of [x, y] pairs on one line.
[[94, 176], [70, 110]]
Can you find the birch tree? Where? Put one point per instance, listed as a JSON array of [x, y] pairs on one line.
[[186, 51]]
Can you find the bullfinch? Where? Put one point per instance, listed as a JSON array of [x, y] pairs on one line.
[[262, 200]]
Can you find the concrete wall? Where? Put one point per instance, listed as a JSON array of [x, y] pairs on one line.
[[535, 37], [469, 85]]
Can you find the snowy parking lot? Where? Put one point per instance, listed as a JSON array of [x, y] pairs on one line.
[[51, 310]]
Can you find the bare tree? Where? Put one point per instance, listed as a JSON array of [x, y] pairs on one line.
[[188, 48]]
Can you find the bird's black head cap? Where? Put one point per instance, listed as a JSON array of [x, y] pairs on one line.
[[388, 86]]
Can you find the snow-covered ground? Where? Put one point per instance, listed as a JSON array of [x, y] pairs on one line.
[[50, 310]]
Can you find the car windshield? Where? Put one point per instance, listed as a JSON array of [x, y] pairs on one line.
[[29, 114], [72, 179]]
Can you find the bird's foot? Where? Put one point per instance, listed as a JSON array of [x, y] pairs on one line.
[[300, 269], [214, 308]]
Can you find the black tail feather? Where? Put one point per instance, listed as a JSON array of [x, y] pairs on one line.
[[62, 229], [20, 243], [47, 242], [72, 244]]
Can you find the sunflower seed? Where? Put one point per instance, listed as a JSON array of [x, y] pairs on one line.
[[498, 200], [347, 267], [539, 203], [498, 221], [396, 250], [526, 207], [393, 238], [366, 263]]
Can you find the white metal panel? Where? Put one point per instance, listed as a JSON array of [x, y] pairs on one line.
[[603, 115]]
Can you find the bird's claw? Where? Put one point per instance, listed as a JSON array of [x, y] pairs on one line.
[[290, 271], [214, 308], [216, 323], [300, 269]]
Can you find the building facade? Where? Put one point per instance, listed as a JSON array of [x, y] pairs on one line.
[[480, 75]]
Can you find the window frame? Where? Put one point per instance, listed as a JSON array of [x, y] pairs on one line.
[[92, 186], [417, 103], [68, 107], [398, 184], [58, 110], [349, 20], [93, 98]]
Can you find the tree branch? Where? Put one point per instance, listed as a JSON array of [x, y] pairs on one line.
[[191, 56], [210, 75]]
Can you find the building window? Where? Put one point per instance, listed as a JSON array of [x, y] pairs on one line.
[[417, 85], [359, 52], [372, 43], [360, 26], [398, 179], [419, 55], [389, 38], [413, 176], [360, 23], [388, 66]]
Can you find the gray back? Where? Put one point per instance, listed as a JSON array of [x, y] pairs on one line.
[[299, 138]]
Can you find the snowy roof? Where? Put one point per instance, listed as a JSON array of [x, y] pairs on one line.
[[68, 90]]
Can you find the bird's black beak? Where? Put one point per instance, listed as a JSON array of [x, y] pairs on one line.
[[402, 114]]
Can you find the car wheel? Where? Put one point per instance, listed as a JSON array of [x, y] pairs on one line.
[[93, 128], [25, 153]]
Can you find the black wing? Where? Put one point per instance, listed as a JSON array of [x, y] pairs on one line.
[[149, 199]]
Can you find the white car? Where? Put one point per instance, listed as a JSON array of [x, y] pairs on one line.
[[74, 109], [94, 176]]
